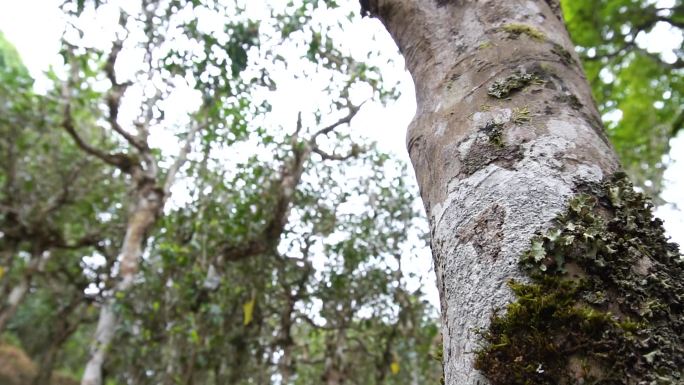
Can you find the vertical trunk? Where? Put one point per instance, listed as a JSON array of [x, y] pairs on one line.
[[46, 365], [14, 299], [148, 204], [504, 132], [286, 364], [7, 255], [171, 358], [333, 373], [62, 329], [18, 293], [16, 296]]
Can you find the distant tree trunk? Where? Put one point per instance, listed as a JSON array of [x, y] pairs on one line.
[[18, 293], [505, 134], [149, 200], [14, 299], [62, 329]]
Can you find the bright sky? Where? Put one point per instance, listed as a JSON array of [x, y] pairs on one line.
[[35, 26]]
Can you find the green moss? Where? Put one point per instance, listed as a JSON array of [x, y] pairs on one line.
[[438, 356], [521, 115], [516, 29], [485, 45], [502, 88], [494, 131], [564, 56], [605, 302]]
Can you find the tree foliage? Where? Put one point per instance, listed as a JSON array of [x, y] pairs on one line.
[[268, 262], [639, 91]]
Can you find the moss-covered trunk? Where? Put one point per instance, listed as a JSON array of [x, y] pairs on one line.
[[505, 140]]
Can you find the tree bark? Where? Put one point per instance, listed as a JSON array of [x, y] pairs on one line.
[[148, 203], [505, 130]]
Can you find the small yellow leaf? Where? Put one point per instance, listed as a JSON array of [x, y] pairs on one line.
[[248, 309], [2, 271], [394, 367]]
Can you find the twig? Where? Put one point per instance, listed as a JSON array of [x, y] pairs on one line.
[[181, 158], [353, 110]]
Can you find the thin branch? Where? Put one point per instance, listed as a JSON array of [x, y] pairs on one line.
[[121, 161], [326, 156], [181, 158], [353, 110], [114, 96], [284, 189], [63, 198]]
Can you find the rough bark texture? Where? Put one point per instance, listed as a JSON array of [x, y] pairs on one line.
[[504, 132], [605, 300]]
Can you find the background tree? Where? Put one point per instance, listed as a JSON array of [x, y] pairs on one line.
[[638, 90], [229, 288]]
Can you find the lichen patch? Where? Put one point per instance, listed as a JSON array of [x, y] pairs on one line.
[[515, 30], [604, 304], [504, 87], [485, 233]]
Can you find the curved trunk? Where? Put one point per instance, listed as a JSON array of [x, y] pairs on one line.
[[505, 130], [148, 205]]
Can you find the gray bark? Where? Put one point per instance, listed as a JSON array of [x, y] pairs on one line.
[[148, 205], [495, 162]]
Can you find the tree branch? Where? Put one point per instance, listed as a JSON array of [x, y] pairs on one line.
[[354, 152], [121, 161], [114, 96], [284, 189], [181, 158], [353, 110]]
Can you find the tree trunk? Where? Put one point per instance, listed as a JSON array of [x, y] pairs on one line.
[[63, 328], [14, 299], [505, 133], [148, 204], [18, 293]]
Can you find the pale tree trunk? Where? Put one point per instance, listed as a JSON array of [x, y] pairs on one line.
[[504, 132], [149, 196], [148, 204], [18, 293], [14, 299]]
